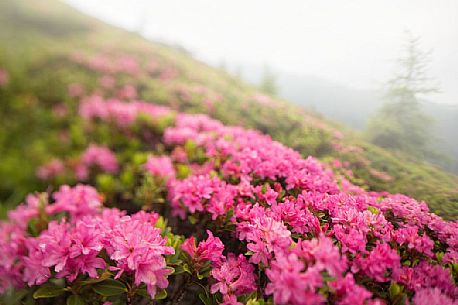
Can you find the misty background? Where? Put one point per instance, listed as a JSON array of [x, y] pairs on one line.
[[333, 57]]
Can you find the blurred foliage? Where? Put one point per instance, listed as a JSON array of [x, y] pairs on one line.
[[36, 44]]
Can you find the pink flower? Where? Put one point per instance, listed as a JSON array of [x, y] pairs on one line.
[[432, 296], [229, 299], [120, 113], [68, 250], [107, 81], [291, 284], [199, 193], [127, 92], [4, 77], [24, 212], [51, 169], [100, 156], [409, 236], [35, 272], [266, 236], [323, 253], [137, 247], [348, 292], [210, 249], [296, 215], [75, 90], [382, 260], [234, 276], [128, 64], [160, 166], [78, 201]]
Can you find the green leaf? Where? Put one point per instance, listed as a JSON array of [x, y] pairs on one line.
[[439, 256], [394, 289], [205, 298], [161, 223], [105, 275], [193, 219], [109, 287], [48, 292], [16, 296], [373, 210], [142, 291], [75, 300], [160, 294]]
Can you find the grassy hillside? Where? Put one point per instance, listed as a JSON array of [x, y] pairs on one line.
[[48, 48]]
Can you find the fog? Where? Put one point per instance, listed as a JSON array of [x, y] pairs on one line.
[[353, 43]]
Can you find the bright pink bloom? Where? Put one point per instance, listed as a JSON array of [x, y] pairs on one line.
[[78, 201], [323, 254], [291, 284], [432, 296], [210, 249], [235, 276], [137, 247], [348, 292], [382, 260]]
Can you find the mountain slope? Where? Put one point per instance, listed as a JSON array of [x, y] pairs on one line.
[[354, 108], [48, 48]]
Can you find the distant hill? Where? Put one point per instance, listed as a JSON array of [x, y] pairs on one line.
[[354, 107]]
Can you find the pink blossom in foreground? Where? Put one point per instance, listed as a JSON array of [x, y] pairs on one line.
[[382, 260], [432, 296], [348, 292], [210, 249], [70, 249], [78, 201], [291, 284], [137, 246], [235, 276]]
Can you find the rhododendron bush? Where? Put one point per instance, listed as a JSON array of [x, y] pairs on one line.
[[175, 208]]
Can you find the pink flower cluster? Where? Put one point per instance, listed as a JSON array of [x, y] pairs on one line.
[[106, 63], [294, 230], [201, 193], [93, 157], [121, 113], [160, 166], [97, 156], [210, 249], [282, 201], [68, 248], [234, 276], [137, 247], [4, 77], [51, 169]]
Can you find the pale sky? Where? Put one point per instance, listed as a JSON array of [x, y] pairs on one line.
[[352, 42]]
